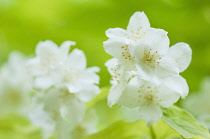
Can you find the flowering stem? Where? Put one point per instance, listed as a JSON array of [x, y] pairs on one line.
[[152, 133]]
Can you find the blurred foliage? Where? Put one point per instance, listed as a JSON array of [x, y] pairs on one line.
[[135, 130], [23, 23], [16, 127]]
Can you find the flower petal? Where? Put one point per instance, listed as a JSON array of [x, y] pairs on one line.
[[150, 113], [42, 119], [65, 47], [182, 53], [129, 97], [167, 67], [77, 60], [43, 82], [144, 71], [157, 40], [167, 96], [137, 20], [46, 47], [178, 84], [88, 93], [115, 93], [90, 121], [116, 33], [113, 47], [73, 111]]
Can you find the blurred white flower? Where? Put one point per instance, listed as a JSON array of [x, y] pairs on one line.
[[63, 84], [149, 97], [15, 85], [120, 40], [56, 106], [49, 56], [55, 67], [60, 112]]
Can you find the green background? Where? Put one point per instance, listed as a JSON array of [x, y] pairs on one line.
[[23, 23]]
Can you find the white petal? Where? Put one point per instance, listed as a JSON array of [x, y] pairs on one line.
[[115, 93], [113, 33], [93, 69], [111, 64], [34, 67], [150, 113], [178, 84], [137, 20], [73, 111], [77, 60], [46, 47], [43, 82], [129, 97], [88, 93], [167, 67], [42, 119], [167, 96], [65, 47], [157, 40], [74, 87], [90, 78], [113, 47], [144, 71], [182, 53], [90, 121]]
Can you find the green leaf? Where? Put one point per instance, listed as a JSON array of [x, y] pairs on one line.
[[135, 130], [184, 123]]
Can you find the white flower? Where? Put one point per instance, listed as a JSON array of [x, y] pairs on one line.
[[149, 97], [49, 56], [120, 40], [54, 107], [85, 127], [120, 78], [15, 85], [62, 113], [159, 61], [63, 84], [145, 70], [53, 66]]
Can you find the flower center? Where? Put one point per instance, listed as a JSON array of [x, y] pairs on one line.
[[136, 35], [69, 76], [147, 95], [149, 98], [125, 52], [116, 75], [152, 59]]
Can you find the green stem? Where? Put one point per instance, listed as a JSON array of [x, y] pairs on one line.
[[153, 136]]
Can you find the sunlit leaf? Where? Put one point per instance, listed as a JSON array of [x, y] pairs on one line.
[[184, 123]]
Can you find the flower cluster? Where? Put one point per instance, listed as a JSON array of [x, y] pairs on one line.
[[63, 85], [145, 70]]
